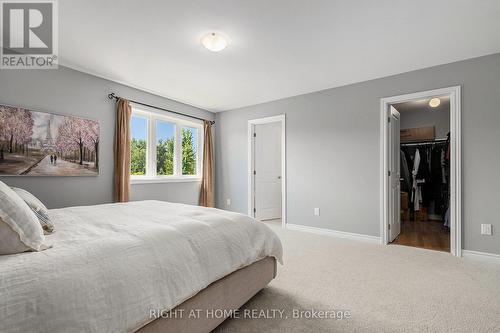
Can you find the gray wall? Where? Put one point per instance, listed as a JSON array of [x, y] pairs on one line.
[[66, 91], [333, 150], [440, 119]]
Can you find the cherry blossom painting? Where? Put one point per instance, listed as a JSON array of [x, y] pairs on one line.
[[36, 143]]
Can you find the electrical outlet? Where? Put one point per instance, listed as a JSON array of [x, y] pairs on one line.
[[228, 202], [486, 229], [316, 211]]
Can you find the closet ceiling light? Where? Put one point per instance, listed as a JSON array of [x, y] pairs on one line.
[[215, 41], [434, 102]]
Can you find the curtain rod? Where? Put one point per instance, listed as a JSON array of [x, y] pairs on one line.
[[113, 96]]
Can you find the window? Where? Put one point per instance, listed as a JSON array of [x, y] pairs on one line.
[[164, 148], [139, 145], [189, 150]]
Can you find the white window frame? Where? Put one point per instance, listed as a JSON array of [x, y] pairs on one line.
[[152, 116]]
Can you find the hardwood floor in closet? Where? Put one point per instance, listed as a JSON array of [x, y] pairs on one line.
[[430, 235]]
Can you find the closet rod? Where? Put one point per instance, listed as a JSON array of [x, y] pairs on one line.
[[421, 143]]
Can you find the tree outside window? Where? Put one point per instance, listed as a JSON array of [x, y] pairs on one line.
[[168, 136]]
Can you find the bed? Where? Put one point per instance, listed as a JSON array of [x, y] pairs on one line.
[[116, 267]]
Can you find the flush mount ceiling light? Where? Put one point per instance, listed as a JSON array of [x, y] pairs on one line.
[[434, 102], [215, 41]]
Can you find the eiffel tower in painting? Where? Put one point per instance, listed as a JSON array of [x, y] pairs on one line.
[[49, 144]]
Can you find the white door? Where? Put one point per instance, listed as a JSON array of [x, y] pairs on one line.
[[267, 171], [394, 169]]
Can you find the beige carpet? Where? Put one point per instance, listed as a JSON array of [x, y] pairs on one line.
[[385, 288]]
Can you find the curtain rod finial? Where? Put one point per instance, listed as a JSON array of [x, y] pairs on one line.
[[112, 96]]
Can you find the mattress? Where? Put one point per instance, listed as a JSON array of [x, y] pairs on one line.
[[110, 265]]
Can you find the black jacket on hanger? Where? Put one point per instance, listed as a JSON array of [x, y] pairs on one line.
[[405, 173], [424, 173]]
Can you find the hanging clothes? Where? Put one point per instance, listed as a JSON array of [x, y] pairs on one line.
[[416, 191], [447, 218], [448, 154], [436, 183], [436, 166], [446, 181], [443, 167], [406, 186], [424, 176], [428, 176]]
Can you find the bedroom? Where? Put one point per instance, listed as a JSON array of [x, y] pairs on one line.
[[321, 71]]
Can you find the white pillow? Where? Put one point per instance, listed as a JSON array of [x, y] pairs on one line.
[[20, 230], [41, 212]]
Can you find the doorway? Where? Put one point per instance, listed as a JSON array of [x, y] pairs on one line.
[[420, 165], [266, 169]]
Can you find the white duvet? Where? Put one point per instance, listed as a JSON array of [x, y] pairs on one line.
[[110, 264]]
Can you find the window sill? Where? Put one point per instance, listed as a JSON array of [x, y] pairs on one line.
[[157, 180]]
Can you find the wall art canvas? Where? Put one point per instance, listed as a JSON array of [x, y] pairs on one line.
[[34, 143]]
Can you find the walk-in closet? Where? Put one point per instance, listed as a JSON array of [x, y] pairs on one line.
[[425, 173]]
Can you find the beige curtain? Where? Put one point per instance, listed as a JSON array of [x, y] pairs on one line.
[[207, 182], [122, 151]]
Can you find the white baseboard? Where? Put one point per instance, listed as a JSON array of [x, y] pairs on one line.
[[483, 256], [334, 233]]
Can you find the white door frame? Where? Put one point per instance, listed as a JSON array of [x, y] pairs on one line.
[[455, 163], [267, 120]]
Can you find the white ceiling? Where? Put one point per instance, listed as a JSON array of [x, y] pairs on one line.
[[279, 48]]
